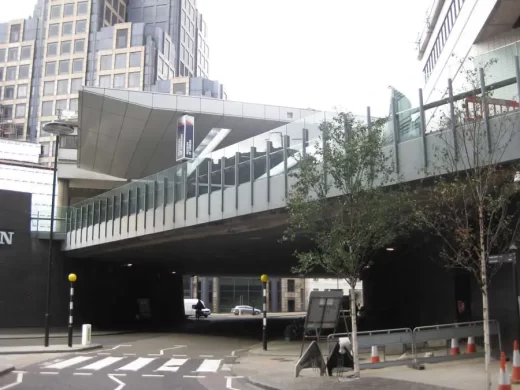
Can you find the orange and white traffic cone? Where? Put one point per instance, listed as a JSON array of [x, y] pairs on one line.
[[504, 382], [471, 347], [454, 350], [516, 363], [375, 355]]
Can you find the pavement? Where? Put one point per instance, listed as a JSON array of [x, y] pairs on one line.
[[274, 370], [60, 348], [38, 333]]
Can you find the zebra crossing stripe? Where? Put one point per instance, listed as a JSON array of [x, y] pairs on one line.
[[102, 363], [172, 365], [69, 362], [136, 364], [209, 365]]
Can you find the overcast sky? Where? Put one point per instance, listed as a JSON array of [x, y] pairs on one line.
[[323, 54]]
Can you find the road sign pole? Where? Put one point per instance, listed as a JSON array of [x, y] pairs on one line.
[[72, 279], [264, 278]]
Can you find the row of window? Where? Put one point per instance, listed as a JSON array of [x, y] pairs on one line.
[[119, 61], [63, 67], [165, 70], [61, 87], [67, 28], [120, 80], [15, 34], [51, 109], [112, 18], [121, 38], [9, 92], [68, 10], [65, 47], [186, 57], [14, 72], [9, 109], [15, 54], [442, 36], [118, 6]]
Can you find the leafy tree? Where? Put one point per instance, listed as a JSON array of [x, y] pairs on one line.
[[469, 204], [343, 202]]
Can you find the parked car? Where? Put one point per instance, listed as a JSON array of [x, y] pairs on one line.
[[245, 310], [189, 311]]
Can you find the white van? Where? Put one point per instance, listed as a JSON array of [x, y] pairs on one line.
[[189, 311]]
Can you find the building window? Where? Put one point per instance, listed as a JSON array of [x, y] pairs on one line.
[[8, 112], [119, 80], [114, 19], [61, 105], [22, 91], [23, 72], [135, 59], [134, 80], [52, 49], [15, 35], [54, 30], [65, 47], [66, 28], [73, 104], [79, 46], [82, 8], [81, 26], [120, 61], [47, 108], [77, 65], [64, 67], [290, 285], [108, 14], [10, 73], [48, 88], [46, 147], [63, 87], [122, 9], [104, 81], [68, 9], [121, 38], [75, 85], [26, 53], [106, 62], [20, 110], [55, 12], [50, 69], [9, 92], [2, 55], [12, 54]]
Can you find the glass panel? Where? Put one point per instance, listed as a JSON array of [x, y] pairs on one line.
[[141, 197], [159, 189], [133, 198], [117, 202], [179, 172], [95, 207], [244, 171], [409, 122], [277, 165], [203, 176], [109, 206], [124, 201], [191, 183], [103, 210]]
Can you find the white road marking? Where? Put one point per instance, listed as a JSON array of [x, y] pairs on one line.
[[69, 362], [229, 384], [206, 356], [19, 379], [234, 377], [161, 352], [112, 349], [19, 372], [102, 363], [172, 365], [187, 376], [136, 364], [121, 384], [82, 373], [209, 365], [118, 374], [103, 353], [179, 355], [226, 367], [129, 354], [49, 373], [153, 375]]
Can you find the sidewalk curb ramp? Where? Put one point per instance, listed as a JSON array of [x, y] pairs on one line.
[[39, 349]]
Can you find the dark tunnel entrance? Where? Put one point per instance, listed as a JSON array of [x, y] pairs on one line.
[[112, 295]]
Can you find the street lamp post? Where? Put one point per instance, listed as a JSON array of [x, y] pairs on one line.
[[57, 128], [72, 278], [264, 278]]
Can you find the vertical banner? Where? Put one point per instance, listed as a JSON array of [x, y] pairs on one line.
[[185, 138]]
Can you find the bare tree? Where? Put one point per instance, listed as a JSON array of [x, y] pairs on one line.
[[469, 205]]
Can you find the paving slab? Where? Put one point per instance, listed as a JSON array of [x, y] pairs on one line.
[[26, 349], [5, 368]]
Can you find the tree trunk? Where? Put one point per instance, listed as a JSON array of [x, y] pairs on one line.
[[485, 299], [353, 317]]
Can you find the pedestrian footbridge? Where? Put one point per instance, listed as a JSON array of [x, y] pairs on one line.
[[252, 176]]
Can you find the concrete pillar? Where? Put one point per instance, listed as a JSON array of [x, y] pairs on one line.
[[274, 292], [216, 295], [204, 289], [63, 193], [194, 287]]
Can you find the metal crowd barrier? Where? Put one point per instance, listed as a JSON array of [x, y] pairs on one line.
[[407, 336], [456, 330]]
